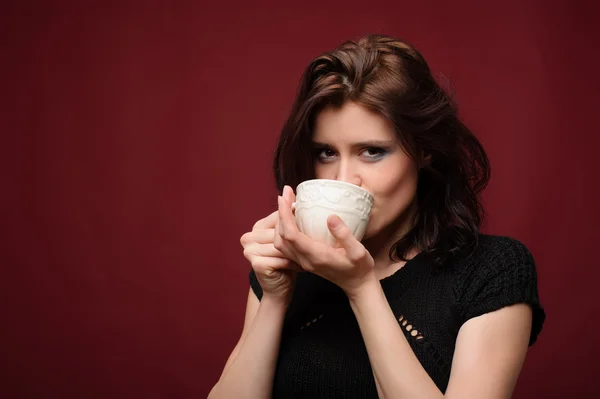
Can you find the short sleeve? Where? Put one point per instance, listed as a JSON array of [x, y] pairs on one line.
[[503, 274], [255, 285]]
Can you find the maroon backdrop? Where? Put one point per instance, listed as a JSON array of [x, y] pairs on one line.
[[136, 150]]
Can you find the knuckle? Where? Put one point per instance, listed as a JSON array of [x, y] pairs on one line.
[[283, 234], [268, 272], [361, 254], [288, 235], [320, 261], [244, 239], [291, 236], [319, 258], [259, 262]]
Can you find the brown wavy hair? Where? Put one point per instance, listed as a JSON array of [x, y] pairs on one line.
[[389, 76]]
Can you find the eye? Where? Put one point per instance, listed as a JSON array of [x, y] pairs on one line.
[[374, 152], [324, 154]]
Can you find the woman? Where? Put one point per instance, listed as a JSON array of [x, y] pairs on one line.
[[425, 306]]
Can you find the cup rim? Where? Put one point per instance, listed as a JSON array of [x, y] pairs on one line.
[[342, 183]]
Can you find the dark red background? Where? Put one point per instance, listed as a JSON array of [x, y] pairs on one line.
[[136, 143]]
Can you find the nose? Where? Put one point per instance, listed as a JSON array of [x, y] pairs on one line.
[[347, 174]]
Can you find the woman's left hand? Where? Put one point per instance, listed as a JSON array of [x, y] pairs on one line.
[[349, 267]]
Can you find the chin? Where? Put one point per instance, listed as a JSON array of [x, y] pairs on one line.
[[371, 230], [377, 226]]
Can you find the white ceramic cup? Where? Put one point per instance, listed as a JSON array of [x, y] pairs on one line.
[[318, 198]]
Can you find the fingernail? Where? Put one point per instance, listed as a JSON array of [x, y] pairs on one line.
[[334, 221], [286, 189]]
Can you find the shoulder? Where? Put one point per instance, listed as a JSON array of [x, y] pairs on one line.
[[492, 255], [500, 249], [500, 272]]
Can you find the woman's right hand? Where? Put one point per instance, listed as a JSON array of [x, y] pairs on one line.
[[275, 273]]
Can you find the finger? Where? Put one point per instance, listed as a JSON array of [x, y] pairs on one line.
[[293, 243], [282, 240], [266, 223], [354, 249], [278, 241], [258, 236], [262, 265], [288, 229], [267, 250], [288, 194]]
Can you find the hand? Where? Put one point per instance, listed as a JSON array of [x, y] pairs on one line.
[[349, 267], [275, 273]]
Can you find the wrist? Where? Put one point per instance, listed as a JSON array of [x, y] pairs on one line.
[[364, 290], [276, 301]]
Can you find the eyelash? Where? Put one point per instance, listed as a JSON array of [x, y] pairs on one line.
[[380, 152]]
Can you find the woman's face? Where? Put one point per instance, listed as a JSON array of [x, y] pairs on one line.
[[359, 146]]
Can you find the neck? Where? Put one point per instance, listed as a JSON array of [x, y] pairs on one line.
[[379, 245]]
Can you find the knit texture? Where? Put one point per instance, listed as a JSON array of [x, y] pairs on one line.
[[323, 355]]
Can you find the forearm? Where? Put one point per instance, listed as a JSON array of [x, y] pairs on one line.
[[397, 370], [251, 373]]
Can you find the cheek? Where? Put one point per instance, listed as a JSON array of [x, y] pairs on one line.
[[324, 171], [393, 194]]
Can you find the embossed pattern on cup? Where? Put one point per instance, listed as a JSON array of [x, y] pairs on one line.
[[318, 198]]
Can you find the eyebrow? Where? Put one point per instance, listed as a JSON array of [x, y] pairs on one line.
[[368, 143]]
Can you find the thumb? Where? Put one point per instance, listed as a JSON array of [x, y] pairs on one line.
[[354, 249], [340, 231]]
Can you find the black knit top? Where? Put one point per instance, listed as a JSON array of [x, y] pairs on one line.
[[323, 355]]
